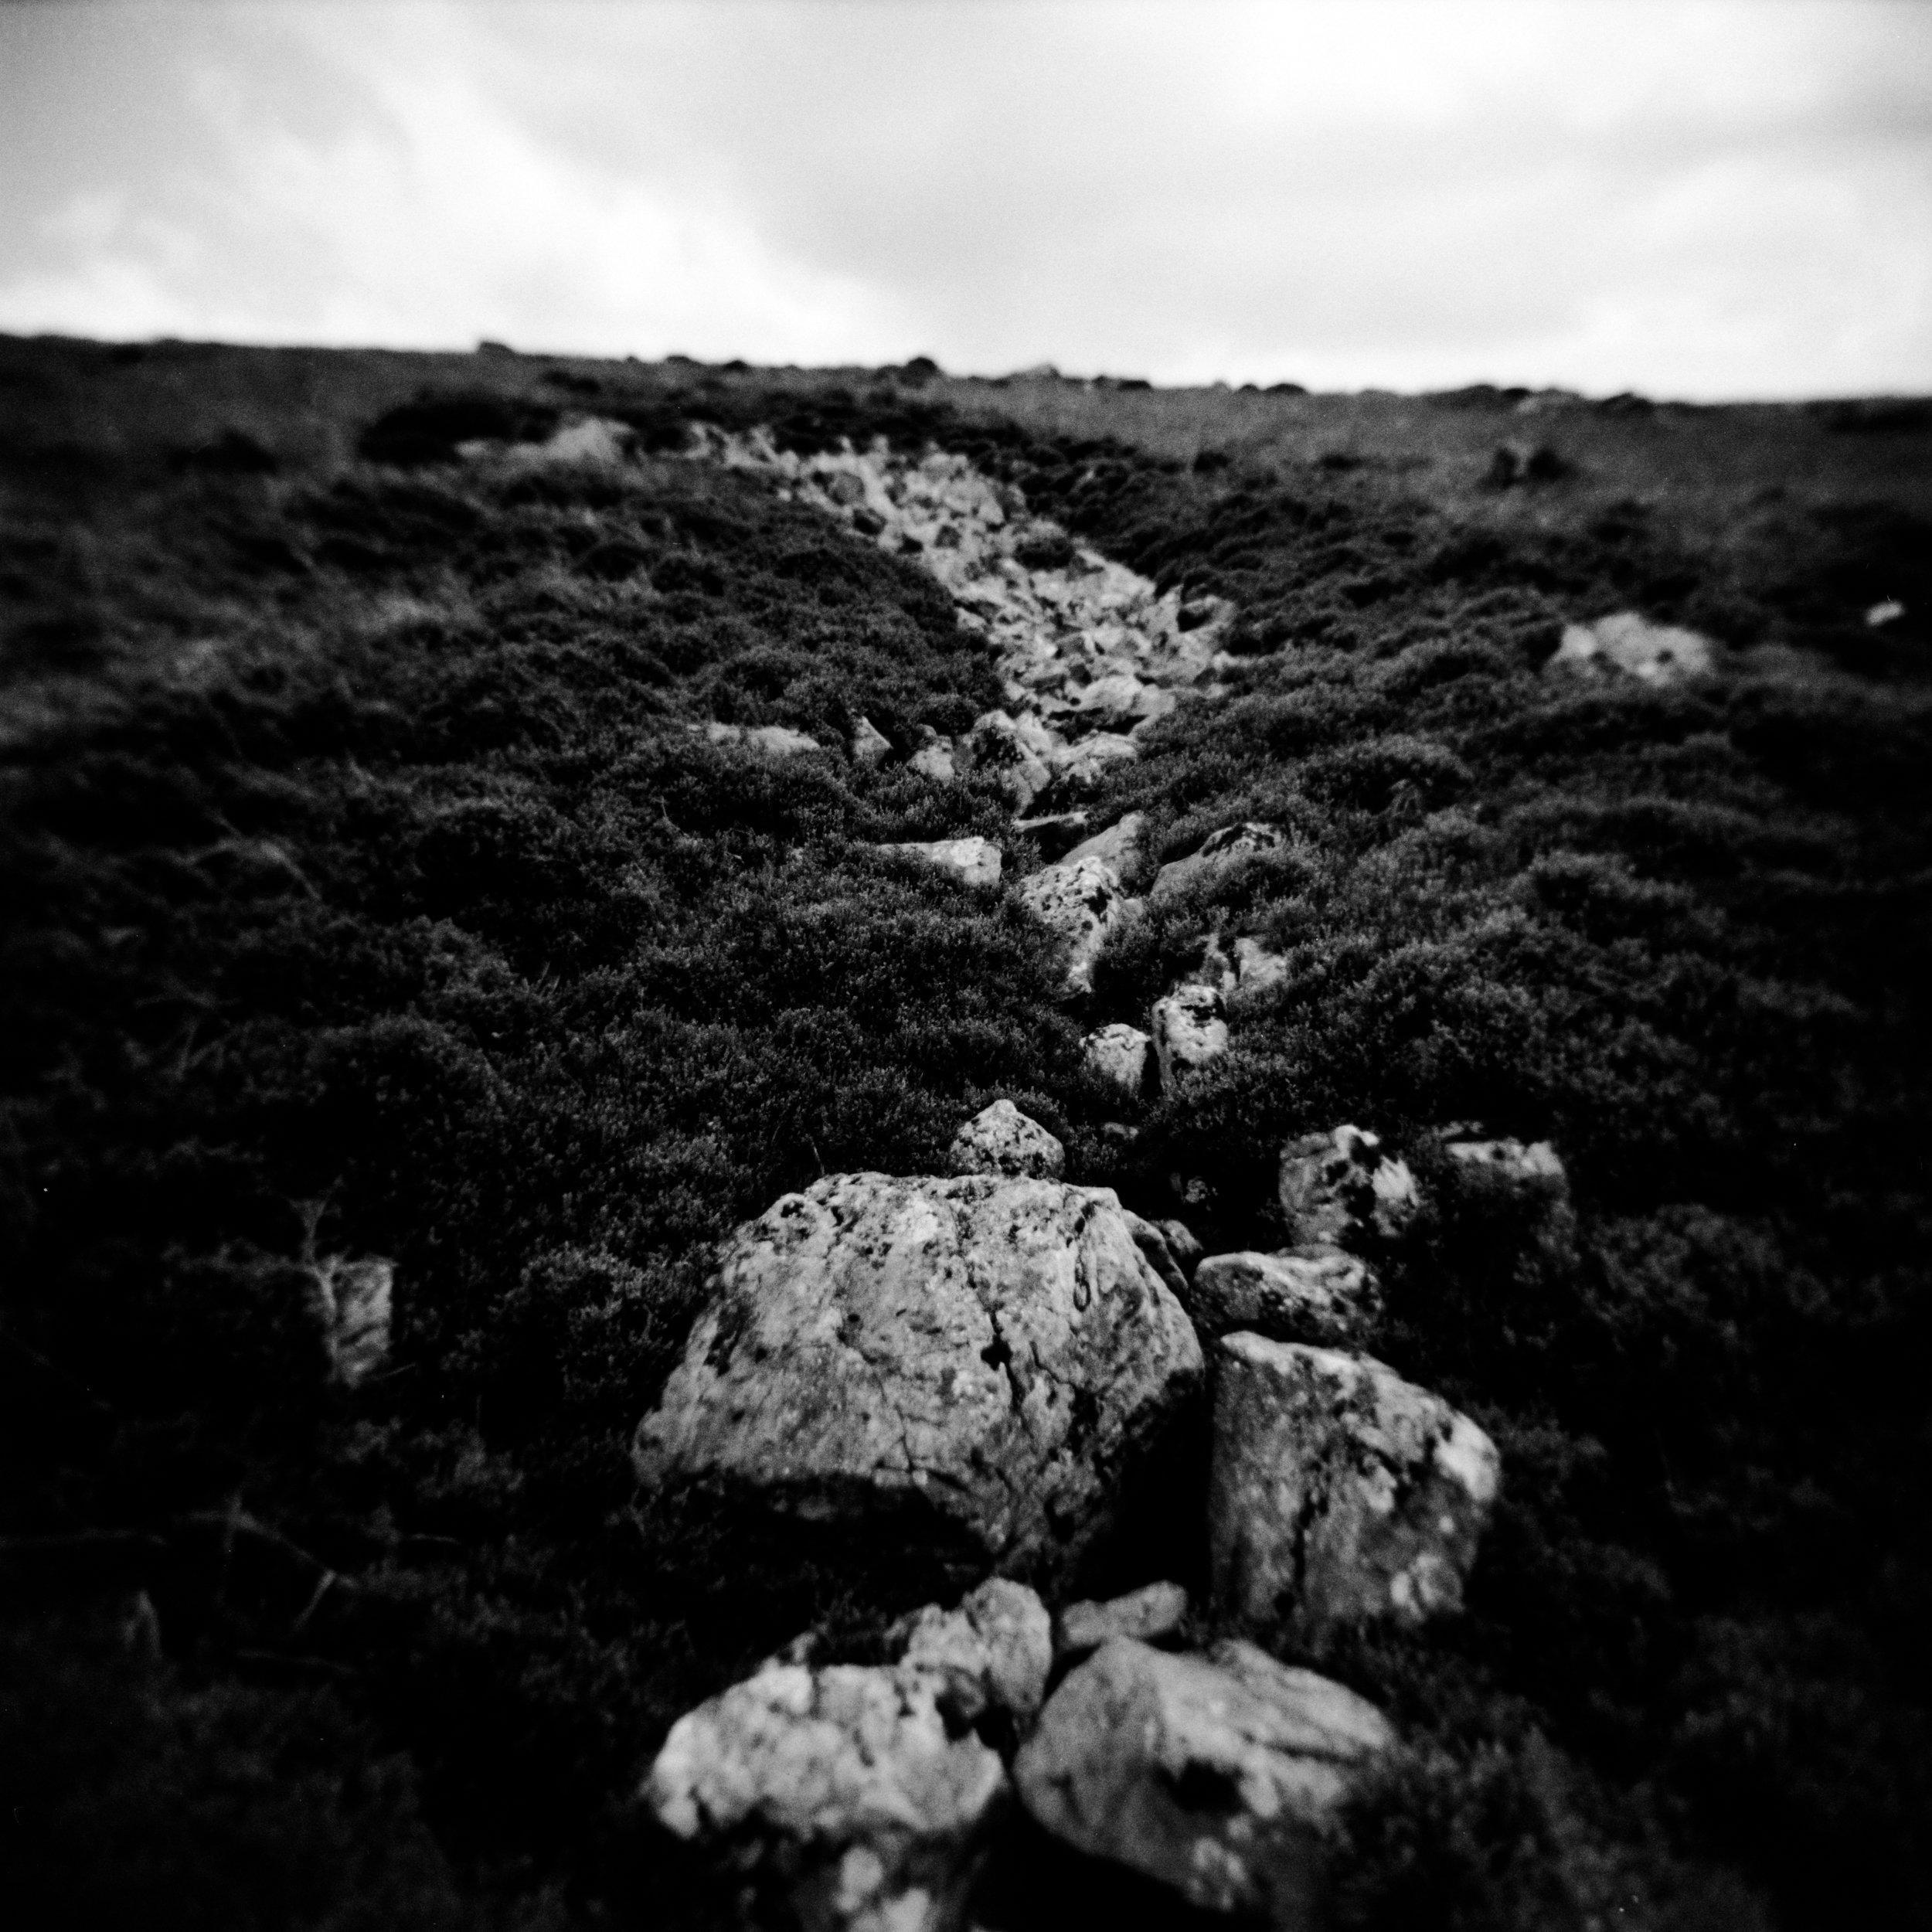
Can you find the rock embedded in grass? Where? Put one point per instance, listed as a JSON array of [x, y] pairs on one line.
[[975, 1367], [1223, 1776], [1118, 1053], [1337, 1492], [1190, 1032], [1339, 1188], [1082, 903], [1000, 1139], [848, 1785], [973, 861]]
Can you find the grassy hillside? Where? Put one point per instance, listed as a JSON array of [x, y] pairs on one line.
[[369, 893]]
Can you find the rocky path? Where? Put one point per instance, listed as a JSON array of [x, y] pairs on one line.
[[978, 1367]]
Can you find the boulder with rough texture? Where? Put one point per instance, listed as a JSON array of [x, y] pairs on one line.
[[1339, 1493], [1000, 1139], [848, 1781], [995, 1652], [1534, 1167], [1190, 1031], [1080, 900], [974, 861], [869, 745], [1336, 1188], [1320, 1295], [1221, 1775], [1119, 845], [1154, 1613], [970, 1366], [1215, 852], [1653, 653], [775, 741], [1118, 1054]]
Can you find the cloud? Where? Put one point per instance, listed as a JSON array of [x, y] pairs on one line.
[[1702, 200]]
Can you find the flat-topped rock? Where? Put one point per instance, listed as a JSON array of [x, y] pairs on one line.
[[1154, 1613], [1320, 1295], [970, 1366], [1337, 1492], [1221, 1775]]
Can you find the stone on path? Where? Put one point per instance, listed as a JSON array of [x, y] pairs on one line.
[[969, 1367], [994, 1652], [974, 861], [1081, 902], [1118, 1053], [1189, 1032], [1339, 1493], [848, 1781], [1222, 1775], [1000, 1139], [1154, 1613], [1318, 1295], [1338, 1187]]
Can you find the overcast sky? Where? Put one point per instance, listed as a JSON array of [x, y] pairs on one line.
[[1702, 200]]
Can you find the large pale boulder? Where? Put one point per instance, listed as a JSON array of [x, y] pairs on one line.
[[1215, 853], [970, 1366], [846, 1782], [1341, 1186], [994, 1651], [1189, 1032], [1118, 1053], [1223, 1776], [1000, 1139], [1339, 1493], [1320, 1295], [1080, 901], [973, 861]]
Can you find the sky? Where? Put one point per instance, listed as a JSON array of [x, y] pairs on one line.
[[1710, 199]]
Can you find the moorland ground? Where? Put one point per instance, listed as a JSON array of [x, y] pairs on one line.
[[366, 892]]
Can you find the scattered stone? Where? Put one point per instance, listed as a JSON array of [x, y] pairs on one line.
[[1658, 654], [1535, 1166], [1057, 834], [1189, 1032], [1118, 1053], [969, 1366], [847, 1782], [1221, 1775], [1339, 1493], [1217, 851], [355, 1299], [776, 741], [974, 861], [870, 746], [1119, 845], [1000, 1139], [1081, 901], [1318, 1295], [1336, 1188], [1256, 968], [1183, 1245], [994, 1652], [1155, 1614], [934, 758]]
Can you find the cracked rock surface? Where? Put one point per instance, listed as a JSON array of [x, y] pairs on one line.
[[1221, 1775], [848, 1781], [1338, 1493], [975, 1361]]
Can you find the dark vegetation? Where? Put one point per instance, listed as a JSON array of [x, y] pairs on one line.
[[366, 885]]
